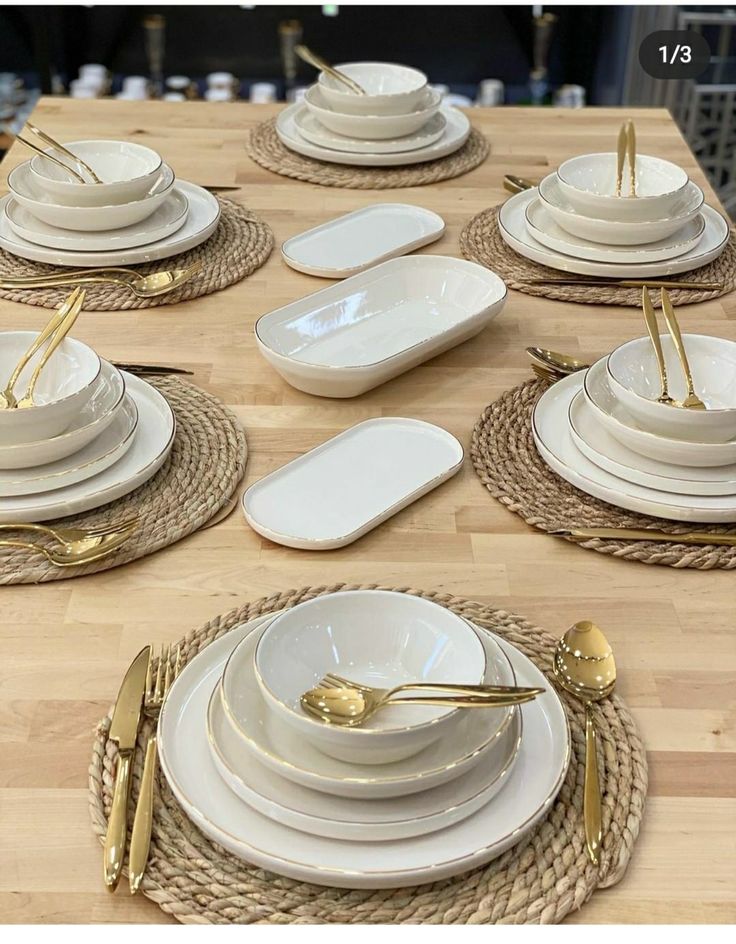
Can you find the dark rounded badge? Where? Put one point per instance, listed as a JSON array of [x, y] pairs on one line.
[[674, 54]]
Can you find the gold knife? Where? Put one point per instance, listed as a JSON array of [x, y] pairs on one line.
[[124, 730], [631, 151], [632, 534], [653, 330], [620, 158]]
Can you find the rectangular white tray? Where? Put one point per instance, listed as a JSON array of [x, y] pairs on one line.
[[359, 333]]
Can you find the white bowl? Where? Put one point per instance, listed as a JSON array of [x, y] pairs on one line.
[[634, 380], [589, 183], [65, 385], [614, 232], [391, 89], [372, 127], [87, 219], [619, 423], [127, 171], [374, 637]]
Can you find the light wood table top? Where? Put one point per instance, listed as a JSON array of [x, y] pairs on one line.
[[64, 646]]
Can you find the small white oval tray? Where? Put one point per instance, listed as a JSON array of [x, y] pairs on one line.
[[342, 489], [354, 242]]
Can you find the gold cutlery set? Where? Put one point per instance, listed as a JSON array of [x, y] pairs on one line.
[[72, 547], [143, 286]]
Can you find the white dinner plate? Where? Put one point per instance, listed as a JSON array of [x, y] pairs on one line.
[[91, 421], [98, 455], [151, 445], [200, 224], [553, 438], [311, 129], [544, 229], [606, 451], [361, 239], [166, 220], [527, 796], [456, 133], [348, 485], [337, 817], [514, 230]]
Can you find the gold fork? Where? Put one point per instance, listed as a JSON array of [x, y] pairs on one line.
[[691, 401], [76, 552], [157, 688]]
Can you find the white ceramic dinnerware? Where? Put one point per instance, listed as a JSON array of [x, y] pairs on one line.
[[268, 741], [166, 220], [361, 239], [355, 335], [64, 386], [554, 442], [151, 445], [372, 126], [543, 228], [616, 232], [128, 172], [201, 221], [375, 638], [91, 421], [526, 797], [343, 818], [457, 130], [390, 89], [86, 218], [514, 230], [593, 440], [589, 183], [634, 379], [620, 424], [345, 487], [313, 130]]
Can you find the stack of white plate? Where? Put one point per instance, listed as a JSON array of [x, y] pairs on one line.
[[95, 433], [400, 119], [140, 213], [605, 432], [573, 221], [418, 794]]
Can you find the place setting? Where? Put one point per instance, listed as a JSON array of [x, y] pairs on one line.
[[368, 125], [645, 434], [367, 739], [86, 211], [601, 226]]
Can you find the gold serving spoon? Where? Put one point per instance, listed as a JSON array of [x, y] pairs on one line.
[[65, 151], [584, 666], [691, 401], [306, 55]]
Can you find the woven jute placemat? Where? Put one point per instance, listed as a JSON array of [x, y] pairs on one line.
[[481, 241], [241, 244], [266, 149], [205, 466], [540, 880], [508, 464]]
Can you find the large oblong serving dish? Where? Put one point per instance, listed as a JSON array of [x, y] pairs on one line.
[[353, 336]]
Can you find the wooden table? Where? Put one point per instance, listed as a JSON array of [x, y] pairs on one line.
[[64, 646]]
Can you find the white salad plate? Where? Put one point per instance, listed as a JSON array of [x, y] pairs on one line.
[[348, 485], [457, 130], [98, 455], [343, 818], [553, 439], [606, 451], [91, 421], [187, 764], [201, 221], [312, 129], [163, 222], [151, 445], [514, 230], [356, 241], [357, 334], [544, 229]]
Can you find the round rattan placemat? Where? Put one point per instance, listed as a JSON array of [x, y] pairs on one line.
[[241, 244], [481, 241], [542, 879], [508, 464], [266, 149], [205, 466]]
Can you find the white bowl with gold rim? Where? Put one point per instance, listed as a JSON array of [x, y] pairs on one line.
[[390, 89]]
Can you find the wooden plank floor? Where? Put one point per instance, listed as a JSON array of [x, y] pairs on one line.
[[64, 646]]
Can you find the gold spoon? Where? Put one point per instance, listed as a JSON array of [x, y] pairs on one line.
[[562, 363], [144, 286], [306, 55], [584, 666]]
